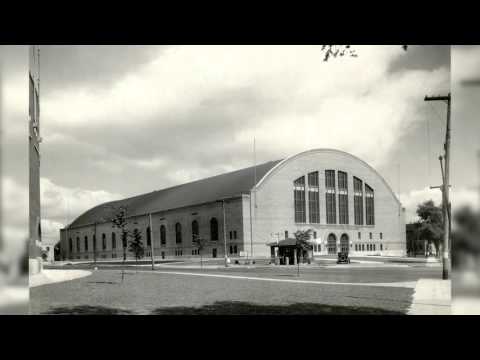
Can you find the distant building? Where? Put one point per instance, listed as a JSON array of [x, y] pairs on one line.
[[35, 230], [345, 202]]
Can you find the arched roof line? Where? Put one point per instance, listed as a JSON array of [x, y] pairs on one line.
[[322, 150]]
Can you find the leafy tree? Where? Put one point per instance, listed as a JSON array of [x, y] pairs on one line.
[[303, 245], [200, 243], [56, 251], [119, 221], [334, 51], [413, 235], [136, 245], [431, 223]]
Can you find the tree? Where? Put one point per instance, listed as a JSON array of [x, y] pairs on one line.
[[136, 245], [413, 235], [56, 252], [119, 221], [200, 243], [343, 50], [431, 223], [303, 245]]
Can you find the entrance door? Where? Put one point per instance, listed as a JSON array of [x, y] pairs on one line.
[[344, 243], [214, 253], [332, 244]]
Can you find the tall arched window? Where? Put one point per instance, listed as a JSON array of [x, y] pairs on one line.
[[369, 205], [332, 244], [194, 230], [214, 229], [358, 200], [299, 199], [313, 198], [114, 240], [78, 244], [149, 237], [163, 235], [104, 241], [86, 243], [330, 196], [178, 233], [342, 197], [70, 244]]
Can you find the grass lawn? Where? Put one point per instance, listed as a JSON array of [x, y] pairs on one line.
[[167, 294]]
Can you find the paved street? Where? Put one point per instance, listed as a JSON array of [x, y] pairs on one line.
[[262, 290]]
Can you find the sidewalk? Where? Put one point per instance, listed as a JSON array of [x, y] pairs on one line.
[[431, 297], [49, 276]]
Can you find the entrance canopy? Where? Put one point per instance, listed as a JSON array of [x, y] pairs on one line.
[[284, 243]]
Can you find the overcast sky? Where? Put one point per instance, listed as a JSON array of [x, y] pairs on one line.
[[123, 120]]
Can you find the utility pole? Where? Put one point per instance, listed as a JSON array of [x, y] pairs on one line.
[[150, 233], [445, 188], [95, 242]]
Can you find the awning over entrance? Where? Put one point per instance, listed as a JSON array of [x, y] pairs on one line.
[[284, 242]]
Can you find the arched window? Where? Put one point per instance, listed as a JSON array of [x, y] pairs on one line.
[[299, 199], [214, 229], [124, 239], [78, 244], [369, 205], [358, 200], [330, 196], [313, 198], [70, 244], [114, 240], [104, 241], [332, 244], [163, 235], [149, 237], [194, 230], [342, 197], [178, 233], [86, 243], [344, 243]]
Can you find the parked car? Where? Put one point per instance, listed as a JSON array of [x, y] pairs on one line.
[[343, 258]]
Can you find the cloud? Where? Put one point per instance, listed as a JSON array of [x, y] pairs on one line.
[[194, 110], [61, 204], [458, 198]]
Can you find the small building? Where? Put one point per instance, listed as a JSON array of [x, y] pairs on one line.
[[346, 203], [286, 252]]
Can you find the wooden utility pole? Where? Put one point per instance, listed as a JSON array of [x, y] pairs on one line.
[[445, 188], [150, 233]]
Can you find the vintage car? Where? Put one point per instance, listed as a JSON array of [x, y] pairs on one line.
[[343, 258]]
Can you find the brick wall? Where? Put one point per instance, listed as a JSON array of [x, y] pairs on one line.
[[275, 211]]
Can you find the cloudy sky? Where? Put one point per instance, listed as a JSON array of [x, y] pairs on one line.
[[122, 120]]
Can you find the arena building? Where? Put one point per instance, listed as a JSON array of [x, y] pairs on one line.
[[344, 201]]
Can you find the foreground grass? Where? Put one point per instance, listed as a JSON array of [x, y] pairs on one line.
[[230, 308]]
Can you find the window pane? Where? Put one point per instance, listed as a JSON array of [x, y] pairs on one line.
[[299, 200]]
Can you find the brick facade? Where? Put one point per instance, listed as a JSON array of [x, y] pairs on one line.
[[35, 234], [273, 213]]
